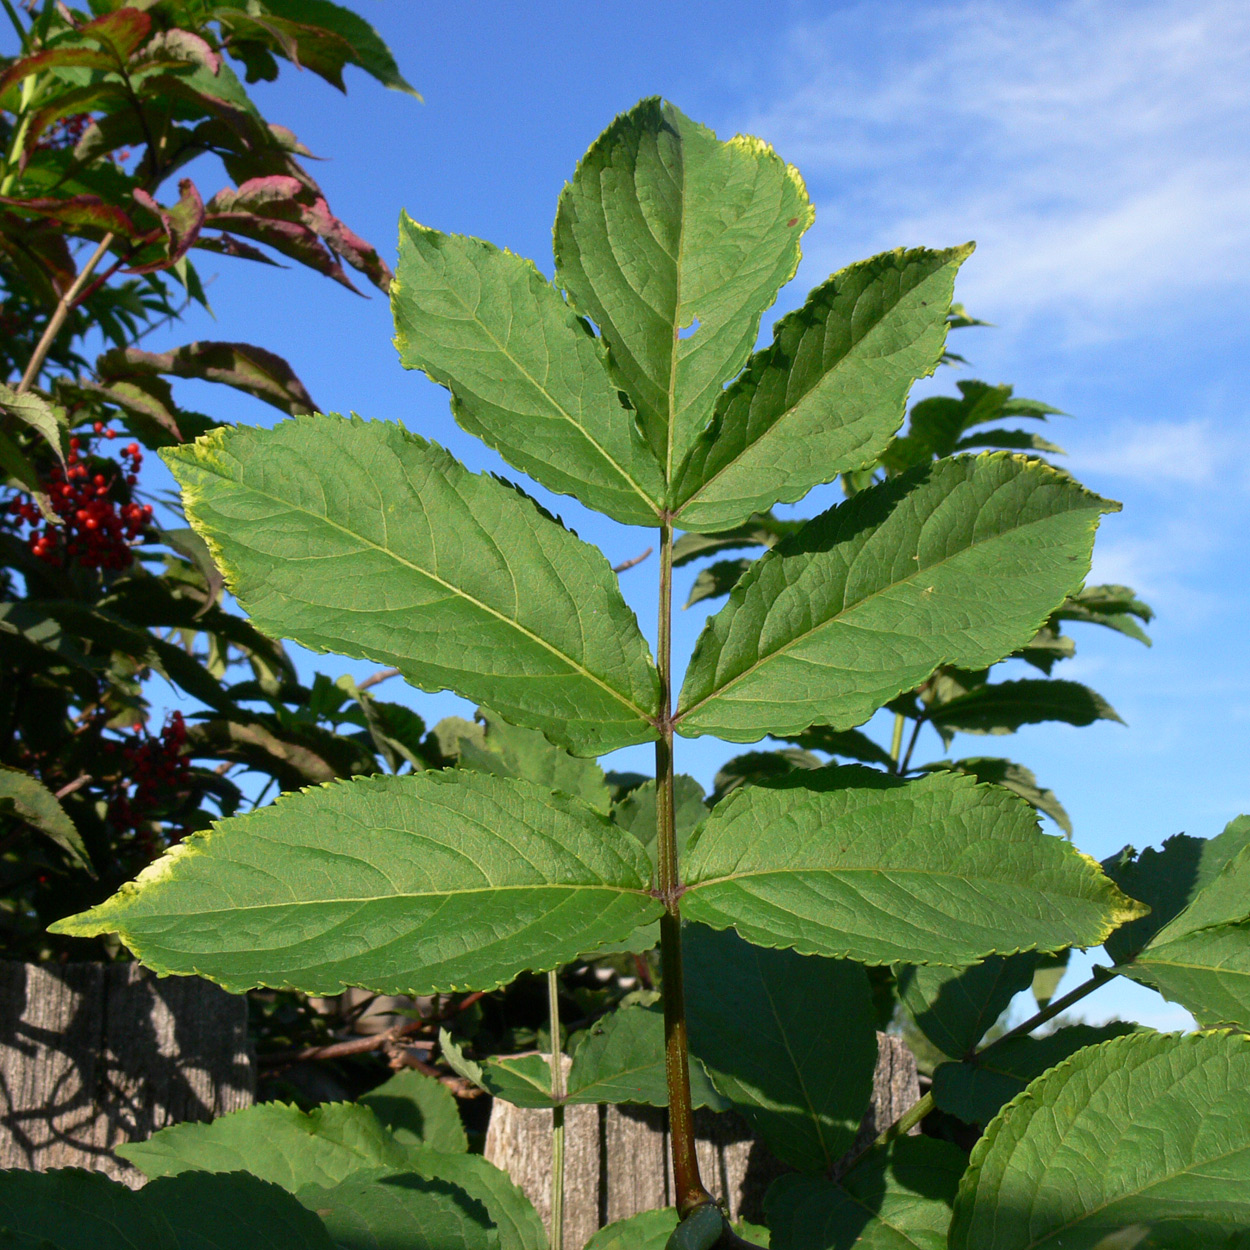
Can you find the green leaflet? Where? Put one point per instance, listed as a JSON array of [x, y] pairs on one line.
[[1168, 879], [510, 1211], [523, 1080], [893, 1199], [507, 751], [1019, 780], [976, 1090], [674, 244], [1207, 971], [955, 1007], [361, 538], [381, 1210], [70, 1209], [526, 376], [828, 394], [1194, 948], [621, 1059], [1002, 707], [870, 597], [850, 863], [1147, 1129], [276, 1142], [804, 1079], [649, 1230], [404, 885], [419, 1111], [28, 799]]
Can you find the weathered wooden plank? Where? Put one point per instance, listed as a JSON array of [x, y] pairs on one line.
[[93, 1055], [617, 1158]]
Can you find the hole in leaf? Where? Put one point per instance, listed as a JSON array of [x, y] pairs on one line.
[[689, 330]]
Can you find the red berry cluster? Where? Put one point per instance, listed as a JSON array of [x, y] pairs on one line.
[[96, 531], [65, 132], [158, 769]]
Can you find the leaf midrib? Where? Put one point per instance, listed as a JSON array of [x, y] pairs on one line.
[[850, 356], [455, 590], [833, 620], [559, 408], [368, 899]]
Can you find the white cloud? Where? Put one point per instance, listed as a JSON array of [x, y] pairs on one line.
[[1097, 151], [1186, 453]]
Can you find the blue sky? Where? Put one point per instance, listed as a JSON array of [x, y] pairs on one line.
[[1096, 151]]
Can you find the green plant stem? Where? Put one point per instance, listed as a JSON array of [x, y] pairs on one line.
[[557, 1113], [917, 1112], [1099, 976], [14, 155], [689, 1186], [57, 320], [896, 745]]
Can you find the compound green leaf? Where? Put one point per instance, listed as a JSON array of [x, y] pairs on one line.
[[380, 1210], [636, 811], [649, 1230], [523, 1080], [71, 1209], [955, 1007], [755, 766], [404, 885], [851, 863], [871, 597], [29, 800], [827, 395], [852, 744], [1002, 707], [419, 1111], [716, 580], [1206, 971], [977, 1089], [1168, 880], [1149, 1129], [524, 373], [510, 1211], [764, 530], [234, 1212], [1019, 780], [507, 751], [621, 1060], [898, 1199], [361, 538], [805, 1078], [674, 244], [276, 1142]]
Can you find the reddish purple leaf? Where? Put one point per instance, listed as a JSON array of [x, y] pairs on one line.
[[247, 368], [181, 224], [227, 245], [40, 250], [288, 237], [122, 31], [281, 198], [54, 58], [172, 47], [79, 212]]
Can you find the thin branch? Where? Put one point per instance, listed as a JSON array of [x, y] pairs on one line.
[[378, 678], [76, 784], [629, 564], [1099, 977], [911, 746], [57, 320], [362, 1045]]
